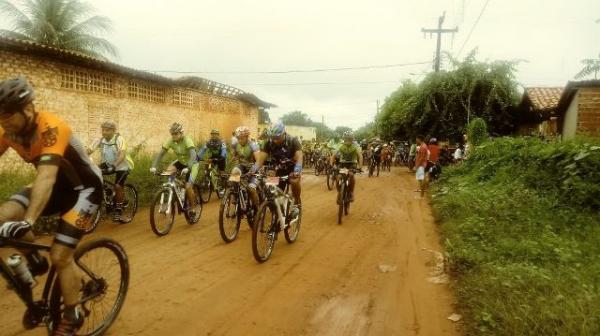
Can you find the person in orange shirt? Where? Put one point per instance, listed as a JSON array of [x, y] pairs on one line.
[[66, 182]]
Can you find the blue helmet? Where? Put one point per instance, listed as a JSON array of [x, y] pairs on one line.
[[277, 129]]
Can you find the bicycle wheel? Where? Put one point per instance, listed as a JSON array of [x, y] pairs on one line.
[[205, 189], [291, 232], [96, 220], [229, 217], [263, 235], [317, 169], [162, 212], [130, 203], [104, 269], [371, 169], [193, 215]]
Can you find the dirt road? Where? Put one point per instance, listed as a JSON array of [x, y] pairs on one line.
[[330, 282]]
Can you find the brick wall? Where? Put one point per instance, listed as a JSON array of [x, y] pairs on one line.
[[143, 110], [588, 119]]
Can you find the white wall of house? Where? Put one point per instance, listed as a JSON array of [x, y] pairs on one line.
[[570, 123], [303, 133]]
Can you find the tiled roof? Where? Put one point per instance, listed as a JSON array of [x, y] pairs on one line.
[[544, 98], [76, 58]]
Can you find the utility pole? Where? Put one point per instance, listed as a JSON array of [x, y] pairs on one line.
[[439, 31]]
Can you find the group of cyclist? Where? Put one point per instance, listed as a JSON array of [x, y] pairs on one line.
[[69, 183]]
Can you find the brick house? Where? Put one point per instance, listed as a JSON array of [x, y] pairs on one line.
[[579, 109], [86, 91], [537, 111]]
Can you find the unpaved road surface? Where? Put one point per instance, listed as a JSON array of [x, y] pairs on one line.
[[330, 282]]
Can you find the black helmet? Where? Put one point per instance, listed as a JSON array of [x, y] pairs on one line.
[[176, 128], [15, 94]]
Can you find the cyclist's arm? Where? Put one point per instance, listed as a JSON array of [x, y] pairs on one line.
[[193, 157], [202, 152], [41, 191], [298, 159], [158, 157], [224, 151], [121, 153], [93, 147]]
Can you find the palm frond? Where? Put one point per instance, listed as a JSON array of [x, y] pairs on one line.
[[13, 34]]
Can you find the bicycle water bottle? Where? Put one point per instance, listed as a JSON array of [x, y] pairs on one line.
[[16, 263]]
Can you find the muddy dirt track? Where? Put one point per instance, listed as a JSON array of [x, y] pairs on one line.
[[330, 282]]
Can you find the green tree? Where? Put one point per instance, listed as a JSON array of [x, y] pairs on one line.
[[297, 118], [444, 102], [340, 130], [64, 24], [367, 131], [590, 66]]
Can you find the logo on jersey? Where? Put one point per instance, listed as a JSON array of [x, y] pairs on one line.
[[50, 136], [84, 219]]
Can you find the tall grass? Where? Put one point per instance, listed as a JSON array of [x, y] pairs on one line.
[[521, 227]]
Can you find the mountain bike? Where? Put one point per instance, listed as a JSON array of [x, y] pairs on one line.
[[170, 199], [103, 267], [211, 182], [236, 204], [320, 165], [108, 208], [372, 165], [275, 214], [343, 197], [331, 174]]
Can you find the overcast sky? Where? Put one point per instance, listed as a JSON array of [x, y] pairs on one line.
[[273, 35]]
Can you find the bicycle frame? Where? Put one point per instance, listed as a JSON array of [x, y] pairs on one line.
[[277, 197], [38, 309], [176, 188]]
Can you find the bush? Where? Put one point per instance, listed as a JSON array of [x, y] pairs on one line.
[[477, 131], [520, 225]]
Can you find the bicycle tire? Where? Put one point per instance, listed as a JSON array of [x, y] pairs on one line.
[[198, 209], [341, 200], [56, 305], [170, 221], [223, 210], [134, 204], [259, 228]]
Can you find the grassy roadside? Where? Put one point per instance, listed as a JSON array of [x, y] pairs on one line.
[[521, 226]]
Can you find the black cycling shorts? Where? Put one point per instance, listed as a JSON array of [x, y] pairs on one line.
[[120, 175]]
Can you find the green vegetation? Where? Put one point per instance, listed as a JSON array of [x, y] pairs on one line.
[[477, 131], [521, 225], [445, 102], [64, 24]]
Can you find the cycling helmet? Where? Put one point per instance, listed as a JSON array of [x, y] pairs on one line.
[[277, 129], [176, 128], [242, 131], [433, 141], [348, 135], [109, 125], [15, 94], [214, 132]]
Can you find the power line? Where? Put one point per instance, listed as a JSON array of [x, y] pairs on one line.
[[473, 28], [368, 67], [315, 83]]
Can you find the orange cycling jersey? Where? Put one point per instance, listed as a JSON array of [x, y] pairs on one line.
[[52, 143]]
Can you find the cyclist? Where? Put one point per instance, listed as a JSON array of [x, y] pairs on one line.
[[285, 152], [114, 160], [185, 150], [376, 152], [217, 152], [245, 153], [386, 154], [349, 155], [67, 182]]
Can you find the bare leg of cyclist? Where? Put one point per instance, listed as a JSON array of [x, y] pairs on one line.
[[351, 183], [296, 190]]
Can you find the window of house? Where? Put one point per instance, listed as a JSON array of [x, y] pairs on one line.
[[88, 81], [146, 92], [183, 98]]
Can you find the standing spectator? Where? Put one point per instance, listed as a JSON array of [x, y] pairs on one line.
[[421, 163], [412, 153], [433, 167], [458, 153]]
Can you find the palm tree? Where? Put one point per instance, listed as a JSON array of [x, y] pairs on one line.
[[64, 24], [591, 66]]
